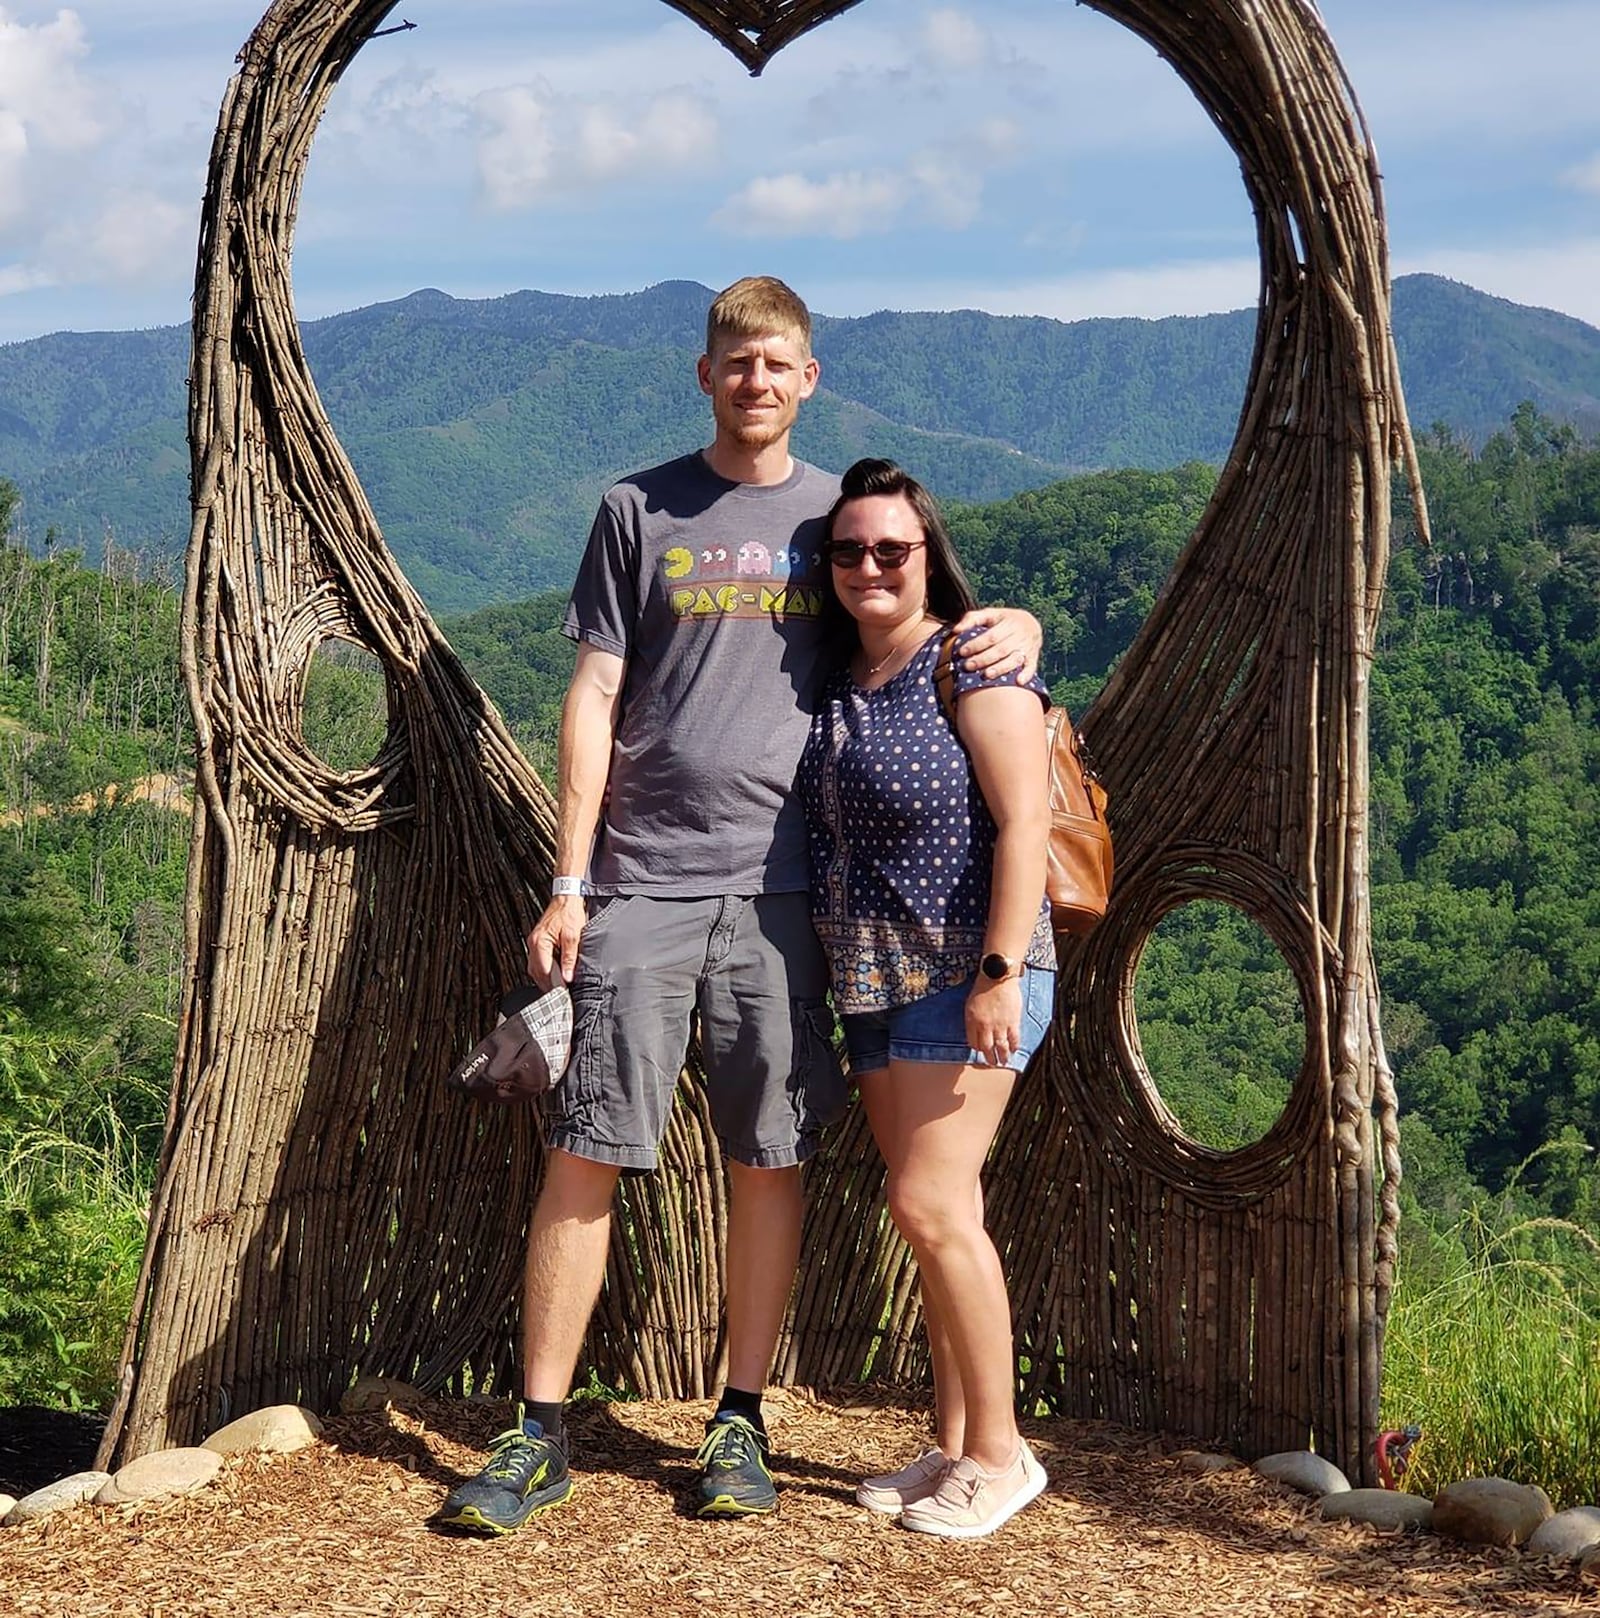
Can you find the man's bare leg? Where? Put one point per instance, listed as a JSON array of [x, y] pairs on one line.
[[526, 1471], [566, 1263], [765, 1211]]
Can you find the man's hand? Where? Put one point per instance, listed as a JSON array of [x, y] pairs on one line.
[[1012, 639], [553, 943]]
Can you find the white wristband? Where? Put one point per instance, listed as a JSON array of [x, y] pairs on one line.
[[563, 887]]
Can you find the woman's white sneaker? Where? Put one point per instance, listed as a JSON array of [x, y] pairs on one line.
[[970, 1502], [894, 1491]]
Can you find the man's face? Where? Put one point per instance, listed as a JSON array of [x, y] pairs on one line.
[[755, 385]]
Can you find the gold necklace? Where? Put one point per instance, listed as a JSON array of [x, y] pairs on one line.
[[894, 651]]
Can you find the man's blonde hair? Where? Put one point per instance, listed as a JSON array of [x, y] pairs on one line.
[[757, 306]]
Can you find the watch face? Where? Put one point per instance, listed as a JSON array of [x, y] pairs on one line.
[[995, 966]]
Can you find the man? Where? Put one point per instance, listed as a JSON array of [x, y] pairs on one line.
[[699, 653]]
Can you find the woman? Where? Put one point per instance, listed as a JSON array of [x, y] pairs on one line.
[[928, 855]]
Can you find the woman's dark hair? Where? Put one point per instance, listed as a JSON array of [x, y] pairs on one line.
[[949, 594]]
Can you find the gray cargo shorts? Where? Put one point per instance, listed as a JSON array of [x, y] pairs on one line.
[[753, 971]]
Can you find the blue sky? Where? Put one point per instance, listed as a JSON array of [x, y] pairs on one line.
[[1021, 156]]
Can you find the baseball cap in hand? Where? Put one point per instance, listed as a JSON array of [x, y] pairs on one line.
[[526, 1053]]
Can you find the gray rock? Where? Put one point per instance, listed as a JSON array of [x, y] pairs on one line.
[[58, 1496], [1490, 1511], [1382, 1508], [164, 1472], [1206, 1461], [1568, 1535], [1302, 1470], [278, 1429], [377, 1393]]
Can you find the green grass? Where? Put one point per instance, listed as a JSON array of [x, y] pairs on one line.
[[1493, 1348], [74, 1199]]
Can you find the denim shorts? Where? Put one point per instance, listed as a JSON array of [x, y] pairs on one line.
[[745, 974], [934, 1029]]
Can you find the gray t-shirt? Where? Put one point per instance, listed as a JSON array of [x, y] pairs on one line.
[[713, 592]]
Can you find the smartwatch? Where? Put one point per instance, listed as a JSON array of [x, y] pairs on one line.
[[998, 967]]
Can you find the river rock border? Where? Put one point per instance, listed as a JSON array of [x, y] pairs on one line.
[[1475, 1511], [276, 1429]]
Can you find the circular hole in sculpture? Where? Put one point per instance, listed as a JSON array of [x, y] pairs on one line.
[[1221, 1023], [345, 718]]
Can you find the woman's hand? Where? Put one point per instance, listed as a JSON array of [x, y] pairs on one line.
[[994, 1018]]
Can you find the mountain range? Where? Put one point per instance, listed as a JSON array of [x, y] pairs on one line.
[[485, 430]]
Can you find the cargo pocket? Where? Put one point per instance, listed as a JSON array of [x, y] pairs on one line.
[[817, 1080], [593, 1063]]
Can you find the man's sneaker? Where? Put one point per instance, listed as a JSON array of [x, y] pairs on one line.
[[970, 1502], [525, 1476], [734, 1480], [894, 1491]]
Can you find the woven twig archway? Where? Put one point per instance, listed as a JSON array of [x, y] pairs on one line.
[[324, 1209]]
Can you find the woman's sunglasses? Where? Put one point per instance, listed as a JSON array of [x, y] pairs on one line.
[[887, 553]]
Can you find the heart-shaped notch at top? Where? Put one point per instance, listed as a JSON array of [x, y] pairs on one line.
[[756, 30]]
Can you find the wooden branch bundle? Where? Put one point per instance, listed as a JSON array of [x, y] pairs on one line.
[[323, 1209]]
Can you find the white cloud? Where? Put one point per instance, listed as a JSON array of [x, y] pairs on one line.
[[72, 211], [401, 106], [20, 278], [133, 238], [515, 159], [842, 206], [1513, 73], [1200, 287], [953, 39], [1562, 275], [1584, 176], [941, 184], [46, 106], [951, 191], [40, 84], [999, 138], [673, 130], [538, 143], [137, 234], [13, 154]]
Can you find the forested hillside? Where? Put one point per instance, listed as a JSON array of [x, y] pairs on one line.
[[1486, 837], [483, 431]]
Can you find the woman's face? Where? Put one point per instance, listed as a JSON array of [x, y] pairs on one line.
[[871, 592]]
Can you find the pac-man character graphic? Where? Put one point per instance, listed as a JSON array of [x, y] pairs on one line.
[[678, 563], [754, 557], [716, 562]]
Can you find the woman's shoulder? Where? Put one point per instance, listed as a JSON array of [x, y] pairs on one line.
[[969, 679]]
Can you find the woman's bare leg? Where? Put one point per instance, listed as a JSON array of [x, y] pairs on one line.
[[949, 1403], [935, 1123]]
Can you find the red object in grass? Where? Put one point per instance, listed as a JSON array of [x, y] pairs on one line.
[[1393, 1450]]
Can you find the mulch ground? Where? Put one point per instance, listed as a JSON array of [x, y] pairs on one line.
[[341, 1531]]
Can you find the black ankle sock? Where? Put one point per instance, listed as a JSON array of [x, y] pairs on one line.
[[739, 1402], [547, 1417]]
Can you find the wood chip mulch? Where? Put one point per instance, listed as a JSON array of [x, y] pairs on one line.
[[341, 1531]]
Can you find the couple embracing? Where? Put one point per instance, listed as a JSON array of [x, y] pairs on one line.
[[764, 797]]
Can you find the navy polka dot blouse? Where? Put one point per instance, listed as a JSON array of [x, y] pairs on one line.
[[902, 842]]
